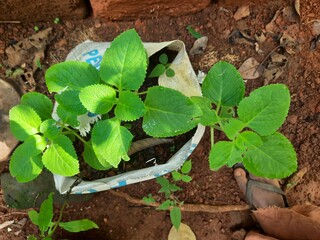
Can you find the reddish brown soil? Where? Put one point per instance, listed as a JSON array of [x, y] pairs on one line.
[[120, 219]]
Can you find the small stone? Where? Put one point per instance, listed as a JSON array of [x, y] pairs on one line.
[[70, 25], [8, 98], [97, 24], [105, 220], [239, 235], [292, 119]]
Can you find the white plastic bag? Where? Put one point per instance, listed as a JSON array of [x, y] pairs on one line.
[[185, 81]]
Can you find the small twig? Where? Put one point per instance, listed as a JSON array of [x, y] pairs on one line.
[[295, 179], [8, 21], [266, 57], [13, 213], [185, 207]]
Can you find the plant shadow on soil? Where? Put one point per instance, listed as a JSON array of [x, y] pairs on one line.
[[120, 219]]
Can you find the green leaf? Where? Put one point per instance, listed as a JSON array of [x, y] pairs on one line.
[[158, 70], [67, 117], [49, 129], [226, 112], [209, 116], [186, 178], [175, 216], [265, 109], [78, 225], [248, 139], [34, 217], [223, 153], [124, 63], [98, 98], [130, 107], [170, 72], [176, 175], [24, 121], [165, 205], [38, 102], [169, 113], [193, 32], [163, 58], [275, 158], [72, 74], [25, 163], [45, 214], [223, 85], [61, 158], [149, 199], [70, 101], [111, 142], [232, 127], [91, 159], [186, 167]]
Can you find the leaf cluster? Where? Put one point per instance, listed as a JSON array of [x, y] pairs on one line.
[[82, 91], [250, 123], [44, 221], [168, 188]]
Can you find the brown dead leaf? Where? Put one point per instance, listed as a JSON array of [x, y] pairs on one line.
[[297, 6], [290, 39], [199, 46], [184, 233], [249, 69], [272, 27], [316, 28], [241, 13], [290, 14], [275, 68]]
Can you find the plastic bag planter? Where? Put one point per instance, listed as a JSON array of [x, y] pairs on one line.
[[184, 81]]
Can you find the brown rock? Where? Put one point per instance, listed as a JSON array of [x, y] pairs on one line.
[[123, 9], [8, 98], [42, 10]]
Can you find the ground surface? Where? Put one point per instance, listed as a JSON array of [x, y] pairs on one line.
[[121, 219]]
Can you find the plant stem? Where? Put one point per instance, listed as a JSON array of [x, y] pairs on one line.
[[212, 136], [76, 134], [141, 93]]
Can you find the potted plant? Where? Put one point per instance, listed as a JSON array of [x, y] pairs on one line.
[[97, 102], [103, 99]]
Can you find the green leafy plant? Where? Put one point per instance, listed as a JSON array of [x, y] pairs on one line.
[[168, 188], [56, 20], [193, 32], [44, 221], [38, 64], [162, 67], [250, 123], [104, 99], [36, 28]]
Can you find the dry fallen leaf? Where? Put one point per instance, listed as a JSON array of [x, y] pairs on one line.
[[184, 233], [316, 27], [290, 14], [249, 69], [272, 27], [199, 46], [297, 6], [275, 68], [242, 12], [290, 39]]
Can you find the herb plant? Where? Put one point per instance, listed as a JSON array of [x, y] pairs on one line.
[[44, 220], [110, 96], [250, 123], [162, 67], [168, 188]]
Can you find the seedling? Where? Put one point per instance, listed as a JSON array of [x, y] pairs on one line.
[[36, 28], [44, 221], [193, 32], [250, 123], [162, 67], [56, 20], [84, 96], [38, 64], [168, 188]]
